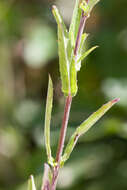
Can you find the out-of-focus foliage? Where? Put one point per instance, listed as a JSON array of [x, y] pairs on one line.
[[28, 52]]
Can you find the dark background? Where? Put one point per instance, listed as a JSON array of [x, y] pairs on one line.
[[28, 53]]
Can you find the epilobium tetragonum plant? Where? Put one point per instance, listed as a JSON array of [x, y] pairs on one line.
[[71, 54]]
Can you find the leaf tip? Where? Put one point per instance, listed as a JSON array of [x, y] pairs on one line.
[[53, 6], [50, 80], [49, 76], [31, 177], [115, 100], [97, 46]]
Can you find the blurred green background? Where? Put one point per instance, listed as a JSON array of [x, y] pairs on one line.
[[28, 53]]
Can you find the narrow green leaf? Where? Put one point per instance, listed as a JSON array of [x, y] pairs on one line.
[[73, 77], [74, 26], [31, 184], [87, 53], [84, 127], [59, 20], [63, 57], [84, 37], [48, 119]]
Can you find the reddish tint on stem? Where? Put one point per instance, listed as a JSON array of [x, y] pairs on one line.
[[45, 182], [63, 128], [81, 28], [80, 31], [61, 141]]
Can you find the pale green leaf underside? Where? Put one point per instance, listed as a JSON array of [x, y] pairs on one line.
[[62, 46], [85, 126], [48, 120], [31, 184]]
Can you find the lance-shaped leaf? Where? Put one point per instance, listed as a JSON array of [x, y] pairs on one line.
[[85, 126], [88, 6], [31, 184], [84, 55], [48, 119], [62, 45], [74, 26], [47, 177]]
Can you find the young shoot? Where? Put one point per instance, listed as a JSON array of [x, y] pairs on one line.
[[71, 54]]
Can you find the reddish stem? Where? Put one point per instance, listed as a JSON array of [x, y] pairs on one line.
[[61, 141], [63, 128], [80, 31]]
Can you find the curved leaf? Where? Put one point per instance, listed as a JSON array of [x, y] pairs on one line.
[[84, 127], [84, 55]]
